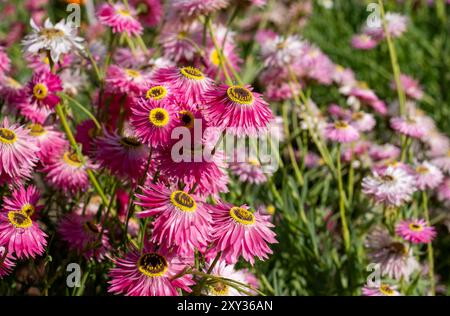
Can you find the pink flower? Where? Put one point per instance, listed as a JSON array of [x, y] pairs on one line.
[[120, 18], [125, 156], [238, 110], [410, 86], [237, 231], [250, 170], [5, 63], [363, 42], [6, 262], [47, 139], [85, 133], [386, 151], [82, 234], [194, 8], [362, 121], [411, 126], [151, 14], [341, 132], [416, 231], [43, 88], [125, 80], [21, 235], [154, 121], [33, 111], [66, 172], [381, 290], [187, 82], [444, 190], [219, 288], [23, 199], [427, 176], [150, 273], [182, 220], [17, 153]]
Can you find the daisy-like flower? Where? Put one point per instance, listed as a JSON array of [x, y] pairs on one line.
[[395, 259], [178, 46], [21, 235], [154, 121], [82, 234], [238, 110], [33, 111], [151, 11], [382, 290], [237, 231], [394, 186], [182, 221], [58, 39], [125, 156], [443, 162], [65, 171], [396, 26], [47, 139], [125, 80], [158, 92], [411, 87], [249, 170], [362, 121], [188, 82], [23, 199], [6, 262], [219, 288], [281, 52], [416, 231], [150, 273], [341, 132], [411, 126], [194, 8], [17, 152], [43, 87], [207, 175], [427, 176], [121, 18], [386, 151], [363, 42]]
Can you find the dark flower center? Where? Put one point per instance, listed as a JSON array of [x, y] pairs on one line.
[[241, 215], [240, 95], [192, 73], [183, 201], [130, 142], [152, 264]]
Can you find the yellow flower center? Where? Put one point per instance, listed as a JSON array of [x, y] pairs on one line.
[[270, 209], [386, 290], [214, 57], [71, 158], [219, 289], [36, 130], [7, 136], [422, 170], [415, 227], [28, 209], [130, 142], [159, 117], [124, 12], [243, 216], [40, 91], [357, 116], [340, 125], [187, 118], [19, 219], [192, 73], [133, 73], [156, 93], [51, 33], [254, 162], [152, 265], [183, 201], [387, 178], [240, 95]]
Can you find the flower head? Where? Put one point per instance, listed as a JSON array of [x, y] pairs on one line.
[[47, 139], [6, 262], [341, 132], [43, 88], [416, 231], [382, 290], [23, 199], [121, 18], [220, 288], [427, 176], [411, 126]]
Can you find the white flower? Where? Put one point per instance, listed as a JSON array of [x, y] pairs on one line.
[[281, 52], [58, 39]]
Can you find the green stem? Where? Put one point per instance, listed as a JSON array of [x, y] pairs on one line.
[[429, 246], [82, 108], [351, 175], [345, 231], [298, 173], [218, 50]]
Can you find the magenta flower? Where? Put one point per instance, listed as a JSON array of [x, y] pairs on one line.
[[47, 139], [18, 154], [363, 42], [238, 110], [410, 86], [381, 290], [194, 8], [21, 235], [182, 220], [86, 132], [6, 262], [416, 231], [84, 235], [125, 156], [150, 273], [154, 121], [411, 126], [23, 199], [152, 13], [341, 132], [125, 80], [237, 231], [43, 88], [120, 18]]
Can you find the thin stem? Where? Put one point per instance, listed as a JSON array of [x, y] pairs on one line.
[[82, 108], [351, 174], [219, 51], [429, 246], [298, 173], [345, 231]]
